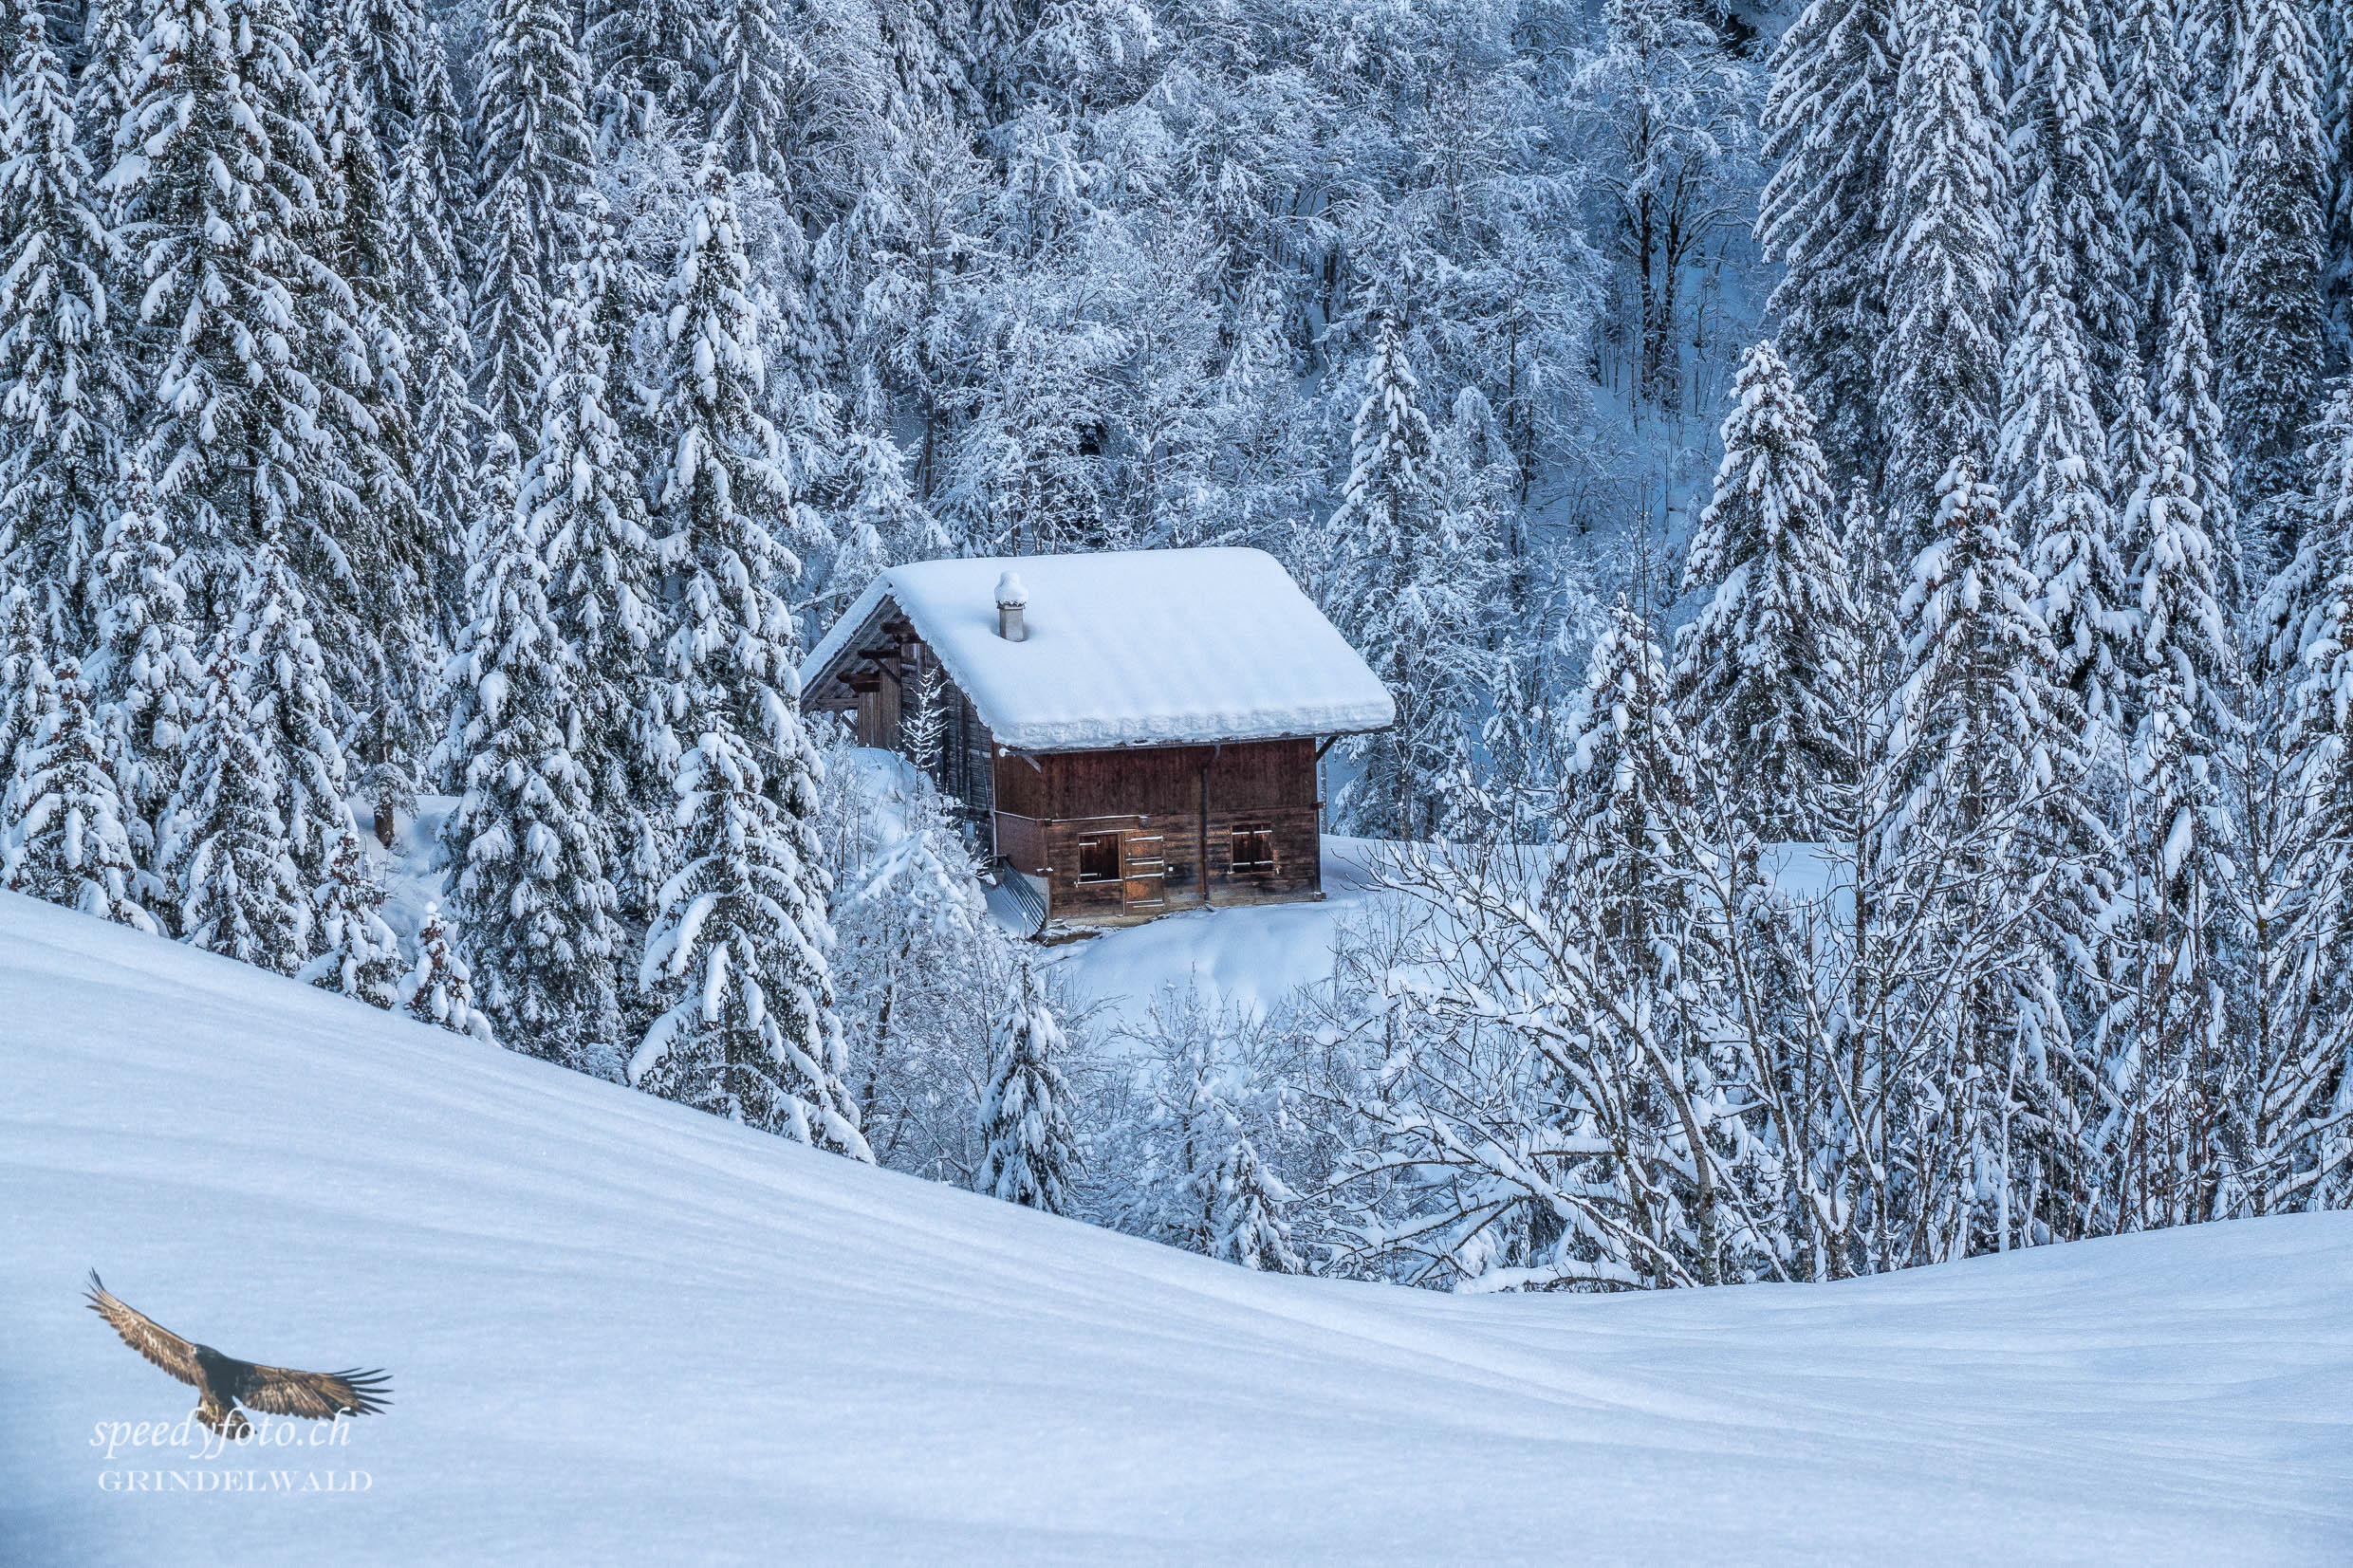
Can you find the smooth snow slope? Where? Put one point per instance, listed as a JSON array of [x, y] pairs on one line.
[[621, 1330]]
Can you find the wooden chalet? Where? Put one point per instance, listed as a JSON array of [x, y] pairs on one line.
[[1129, 733]]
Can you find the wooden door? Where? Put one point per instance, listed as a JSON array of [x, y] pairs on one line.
[[1143, 867]]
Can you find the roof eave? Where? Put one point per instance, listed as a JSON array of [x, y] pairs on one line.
[[1060, 748], [838, 646]]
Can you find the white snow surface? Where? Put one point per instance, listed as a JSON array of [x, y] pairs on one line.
[[1132, 648], [1248, 957], [622, 1331]]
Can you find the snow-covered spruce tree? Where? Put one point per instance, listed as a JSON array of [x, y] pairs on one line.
[[724, 488], [2187, 652], [2286, 616], [2062, 155], [387, 546], [509, 336], [2292, 1073], [438, 988], [152, 678], [1828, 122], [63, 837], [368, 251], [2337, 135], [221, 180], [1982, 721], [358, 956], [738, 952], [1987, 763], [2162, 179], [2052, 473], [2169, 1067], [923, 721], [1842, 989], [2134, 439], [2283, 1062], [225, 850], [536, 147], [438, 131], [749, 782], [586, 506], [748, 97], [388, 45], [27, 683], [1024, 1114], [928, 53], [61, 376], [750, 1029], [429, 281], [927, 58], [1248, 1228], [645, 58], [1632, 820], [2183, 394], [530, 888], [294, 714], [995, 37], [1633, 801], [1384, 574], [1750, 672], [1940, 359], [2271, 241], [106, 87], [1511, 795], [625, 273]]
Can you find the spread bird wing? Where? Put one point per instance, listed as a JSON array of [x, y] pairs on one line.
[[146, 1335], [282, 1391]]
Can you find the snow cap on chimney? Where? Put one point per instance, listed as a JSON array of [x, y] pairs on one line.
[[1012, 599]]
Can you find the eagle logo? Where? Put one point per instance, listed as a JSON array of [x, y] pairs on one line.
[[223, 1382]]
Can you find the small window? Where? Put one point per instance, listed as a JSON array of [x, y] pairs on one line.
[[1253, 848], [1098, 857]]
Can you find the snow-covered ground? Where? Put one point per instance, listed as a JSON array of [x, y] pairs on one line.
[[621, 1330], [1253, 956], [1247, 956]]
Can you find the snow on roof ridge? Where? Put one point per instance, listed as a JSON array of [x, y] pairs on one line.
[[1130, 648]]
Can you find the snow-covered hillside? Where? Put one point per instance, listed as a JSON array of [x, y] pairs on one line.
[[621, 1330]]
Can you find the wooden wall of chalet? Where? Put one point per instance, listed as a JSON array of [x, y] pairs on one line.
[[967, 770], [1044, 806], [883, 687]]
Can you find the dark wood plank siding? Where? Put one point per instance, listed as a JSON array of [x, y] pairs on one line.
[[1156, 793], [1166, 781], [1022, 787], [1298, 871]]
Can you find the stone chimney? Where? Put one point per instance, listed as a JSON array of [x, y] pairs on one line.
[[1011, 599]]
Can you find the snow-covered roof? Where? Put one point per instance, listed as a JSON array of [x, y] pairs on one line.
[[1128, 648]]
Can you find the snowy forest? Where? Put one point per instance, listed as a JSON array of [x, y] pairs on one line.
[[1854, 504]]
